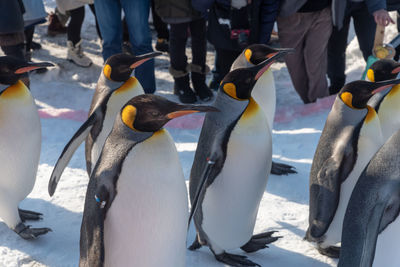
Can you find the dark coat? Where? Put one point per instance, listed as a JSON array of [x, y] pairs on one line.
[[11, 20], [262, 15], [176, 11]]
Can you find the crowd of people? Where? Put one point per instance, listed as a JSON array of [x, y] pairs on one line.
[[316, 29]]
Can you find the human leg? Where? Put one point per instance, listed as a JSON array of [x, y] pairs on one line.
[[292, 31], [162, 30], [109, 17], [199, 68], [137, 16], [364, 26], [315, 54], [178, 59]]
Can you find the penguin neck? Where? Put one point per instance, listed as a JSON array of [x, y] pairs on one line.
[[241, 62], [347, 114], [5, 86], [107, 86], [225, 101]]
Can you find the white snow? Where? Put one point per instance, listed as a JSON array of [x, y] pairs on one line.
[[63, 95]]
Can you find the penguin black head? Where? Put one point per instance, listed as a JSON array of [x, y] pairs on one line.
[[257, 53], [383, 70], [12, 68], [149, 113], [356, 94], [239, 83], [119, 67]]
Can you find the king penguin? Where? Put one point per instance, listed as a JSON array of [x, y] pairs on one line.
[[264, 92], [230, 169], [20, 142], [136, 202], [350, 138], [371, 226], [387, 102], [114, 88]]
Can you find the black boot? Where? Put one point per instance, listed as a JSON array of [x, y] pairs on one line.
[[182, 86], [199, 82], [183, 90]]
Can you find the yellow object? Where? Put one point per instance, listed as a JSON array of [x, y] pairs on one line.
[[381, 52], [347, 99], [370, 75], [128, 116]]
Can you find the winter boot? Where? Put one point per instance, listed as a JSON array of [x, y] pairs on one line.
[[199, 82], [76, 55], [182, 86], [162, 45], [55, 26]]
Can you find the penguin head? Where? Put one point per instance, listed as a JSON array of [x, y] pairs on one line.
[[239, 83], [12, 68], [257, 53], [382, 70], [119, 67], [357, 93], [149, 113]]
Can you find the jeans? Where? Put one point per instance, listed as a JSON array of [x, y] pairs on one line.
[[136, 14]]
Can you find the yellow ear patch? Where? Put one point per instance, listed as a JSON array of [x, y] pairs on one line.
[[18, 90], [347, 99], [128, 85], [230, 89], [128, 116], [107, 71], [370, 75], [248, 54]]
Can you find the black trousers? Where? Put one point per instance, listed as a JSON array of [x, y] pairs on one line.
[[75, 24], [160, 26], [223, 62], [365, 26], [177, 43]]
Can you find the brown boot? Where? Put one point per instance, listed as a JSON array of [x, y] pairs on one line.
[[55, 27]]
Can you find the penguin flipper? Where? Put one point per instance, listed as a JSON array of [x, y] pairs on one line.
[[282, 169], [69, 150], [324, 199]]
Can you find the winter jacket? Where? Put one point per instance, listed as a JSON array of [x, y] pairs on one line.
[[262, 15], [11, 20], [176, 11]]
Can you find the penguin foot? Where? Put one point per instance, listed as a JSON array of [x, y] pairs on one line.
[[28, 233], [259, 241], [235, 260], [27, 215], [332, 252], [196, 245], [282, 169]]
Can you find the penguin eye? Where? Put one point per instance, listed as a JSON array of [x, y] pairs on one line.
[[155, 113]]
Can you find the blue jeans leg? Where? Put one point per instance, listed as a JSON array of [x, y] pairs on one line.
[[108, 13], [137, 19]]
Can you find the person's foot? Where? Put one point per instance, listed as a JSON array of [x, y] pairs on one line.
[[75, 54], [162, 45], [200, 87], [183, 91], [55, 27], [36, 46]]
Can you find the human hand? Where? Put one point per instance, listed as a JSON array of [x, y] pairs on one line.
[[382, 17]]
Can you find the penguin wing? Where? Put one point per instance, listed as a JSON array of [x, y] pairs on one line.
[[69, 150]]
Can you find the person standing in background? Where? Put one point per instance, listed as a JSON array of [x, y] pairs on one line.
[[76, 10], [306, 26], [365, 14], [137, 15], [182, 18]]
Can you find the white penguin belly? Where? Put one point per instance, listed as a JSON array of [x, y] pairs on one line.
[[114, 105], [20, 143], [147, 222], [231, 202], [265, 95], [387, 246], [369, 142]]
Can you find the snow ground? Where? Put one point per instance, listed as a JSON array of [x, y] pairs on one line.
[[63, 95]]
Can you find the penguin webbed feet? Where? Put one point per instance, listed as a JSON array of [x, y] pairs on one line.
[[259, 241], [28, 233], [27, 215], [282, 169], [332, 251], [196, 245], [235, 260]]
